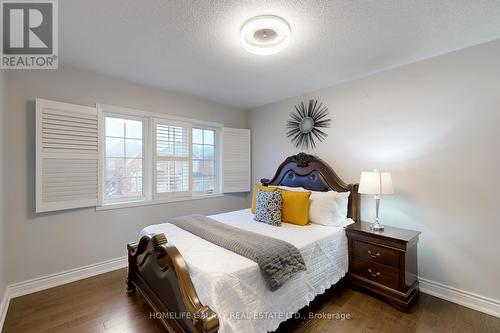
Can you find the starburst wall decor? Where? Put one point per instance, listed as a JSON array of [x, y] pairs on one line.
[[305, 123]]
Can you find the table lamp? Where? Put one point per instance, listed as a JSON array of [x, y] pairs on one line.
[[376, 183]]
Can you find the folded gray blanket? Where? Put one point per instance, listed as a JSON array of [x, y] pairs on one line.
[[278, 260]]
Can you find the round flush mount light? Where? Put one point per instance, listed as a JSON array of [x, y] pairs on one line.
[[265, 35]]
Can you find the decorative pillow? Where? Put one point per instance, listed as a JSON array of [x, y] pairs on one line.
[[263, 188], [295, 207], [329, 208], [268, 207]]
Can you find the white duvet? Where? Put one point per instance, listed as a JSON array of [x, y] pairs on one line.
[[232, 285]]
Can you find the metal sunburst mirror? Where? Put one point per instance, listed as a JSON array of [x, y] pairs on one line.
[[305, 123]]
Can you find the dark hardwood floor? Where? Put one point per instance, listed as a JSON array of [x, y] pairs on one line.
[[99, 304]]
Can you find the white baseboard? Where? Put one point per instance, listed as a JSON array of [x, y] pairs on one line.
[[4, 306], [467, 299], [462, 297], [57, 279]]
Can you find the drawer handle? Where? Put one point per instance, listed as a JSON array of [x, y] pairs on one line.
[[373, 274], [373, 255]]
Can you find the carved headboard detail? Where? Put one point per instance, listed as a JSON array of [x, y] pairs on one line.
[[310, 172]]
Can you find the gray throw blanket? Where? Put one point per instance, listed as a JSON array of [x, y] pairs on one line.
[[278, 260]]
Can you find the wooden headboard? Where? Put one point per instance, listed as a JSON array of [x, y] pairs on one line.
[[311, 173]]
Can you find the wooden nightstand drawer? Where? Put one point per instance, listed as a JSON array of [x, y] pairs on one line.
[[376, 253], [384, 262], [384, 275]]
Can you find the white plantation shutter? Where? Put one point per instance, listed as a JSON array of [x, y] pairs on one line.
[[66, 156], [172, 158], [236, 160]]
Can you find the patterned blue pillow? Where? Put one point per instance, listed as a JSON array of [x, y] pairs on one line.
[[268, 207]]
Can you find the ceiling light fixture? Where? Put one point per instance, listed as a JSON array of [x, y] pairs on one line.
[[265, 35]]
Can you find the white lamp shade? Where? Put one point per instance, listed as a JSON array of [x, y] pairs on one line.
[[375, 182]]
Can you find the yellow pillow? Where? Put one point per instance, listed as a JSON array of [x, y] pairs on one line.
[[260, 187], [295, 207]]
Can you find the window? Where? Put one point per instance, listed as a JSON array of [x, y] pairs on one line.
[[153, 158], [204, 161], [172, 158], [112, 157], [124, 158]]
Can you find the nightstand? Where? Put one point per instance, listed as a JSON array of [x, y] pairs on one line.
[[384, 262]]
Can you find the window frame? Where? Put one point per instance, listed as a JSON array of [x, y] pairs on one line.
[[217, 158], [145, 164], [149, 157]]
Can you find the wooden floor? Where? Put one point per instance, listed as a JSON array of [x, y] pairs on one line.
[[99, 304]]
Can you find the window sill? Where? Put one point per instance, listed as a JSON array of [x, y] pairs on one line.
[[129, 204]]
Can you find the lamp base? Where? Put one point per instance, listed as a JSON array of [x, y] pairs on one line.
[[377, 227]]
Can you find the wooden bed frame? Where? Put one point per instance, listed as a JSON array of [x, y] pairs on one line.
[[157, 270]]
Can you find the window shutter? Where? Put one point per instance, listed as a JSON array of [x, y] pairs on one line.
[[236, 160], [172, 158], [66, 156]]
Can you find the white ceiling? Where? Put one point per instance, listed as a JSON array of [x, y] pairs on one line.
[[193, 46]]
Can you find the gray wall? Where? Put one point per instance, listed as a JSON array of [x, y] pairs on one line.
[[41, 244], [3, 238], [435, 125]]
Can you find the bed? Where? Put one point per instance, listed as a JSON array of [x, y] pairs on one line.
[[193, 285]]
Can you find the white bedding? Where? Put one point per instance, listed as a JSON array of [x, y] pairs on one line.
[[233, 286]]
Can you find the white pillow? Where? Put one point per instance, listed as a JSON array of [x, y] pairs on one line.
[[325, 208], [296, 189], [328, 208]]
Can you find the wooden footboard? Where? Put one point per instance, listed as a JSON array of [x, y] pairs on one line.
[[158, 271]]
